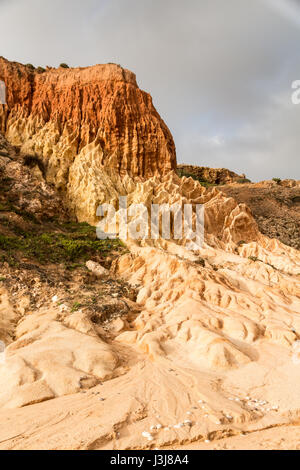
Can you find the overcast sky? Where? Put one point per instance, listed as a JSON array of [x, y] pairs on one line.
[[219, 71]]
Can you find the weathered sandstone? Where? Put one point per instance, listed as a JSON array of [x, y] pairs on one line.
[[58, 113]]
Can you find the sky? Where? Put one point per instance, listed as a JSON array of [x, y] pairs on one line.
[[220, 72]]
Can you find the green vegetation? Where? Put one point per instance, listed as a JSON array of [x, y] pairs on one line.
[[64, 66], [76, 306], [203, 182], [30, 66], [40, 70], [277, 180], [200, 261], [32, 160], [4, 207], [253, 258], [69, 243]]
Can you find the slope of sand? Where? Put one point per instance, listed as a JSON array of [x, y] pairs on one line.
[[209, 352]]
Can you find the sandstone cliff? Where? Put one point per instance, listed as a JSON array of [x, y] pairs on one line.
[[57, 113], [209, 175]]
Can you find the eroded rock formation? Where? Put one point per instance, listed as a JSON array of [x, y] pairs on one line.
[[57, 113], [207, 349]]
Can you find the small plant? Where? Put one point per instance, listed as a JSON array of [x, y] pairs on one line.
[[277, 180], [64, 66], [75, 307], [40, 70], [3, 208], [71, 244], [30, 66], [253, 258], [181, 173], [33, 160], [272, 266]]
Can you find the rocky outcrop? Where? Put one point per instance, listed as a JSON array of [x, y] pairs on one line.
[[57, 113], [210, 175], [23, 189], [274, 205]]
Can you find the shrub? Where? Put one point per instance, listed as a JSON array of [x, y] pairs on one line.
[[181, 173], [243, 180], [73, 244], [64, 66], [200, 261], [32, 160], [40, 70], [277, 180]]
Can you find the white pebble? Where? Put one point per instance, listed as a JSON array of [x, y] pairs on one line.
[[63, 307], [188, 413], [207, 441], [55, 298], [179, 425], [147, 435]]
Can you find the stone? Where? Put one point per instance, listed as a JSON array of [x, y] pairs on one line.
[[97, 269]]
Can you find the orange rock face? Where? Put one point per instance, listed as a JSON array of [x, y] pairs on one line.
[[58, 112]]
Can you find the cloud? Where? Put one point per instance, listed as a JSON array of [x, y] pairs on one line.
[[290, 9], [220, 73]]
